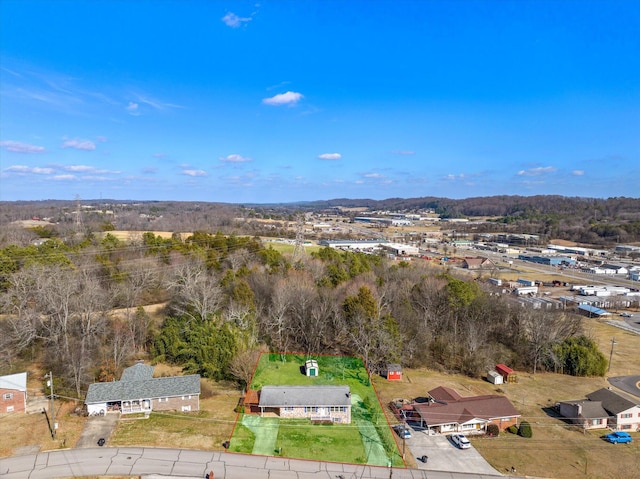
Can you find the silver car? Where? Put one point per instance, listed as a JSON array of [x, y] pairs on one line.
[[461, 441]]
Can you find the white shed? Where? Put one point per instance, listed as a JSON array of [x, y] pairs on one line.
[[311, 368], [495, 377]]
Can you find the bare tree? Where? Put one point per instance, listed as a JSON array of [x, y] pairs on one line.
[[197, 293]]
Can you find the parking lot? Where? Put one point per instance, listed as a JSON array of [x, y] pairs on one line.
[[444, 456]]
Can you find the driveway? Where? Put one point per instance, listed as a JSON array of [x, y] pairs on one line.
[[444, 456], [97, 427]]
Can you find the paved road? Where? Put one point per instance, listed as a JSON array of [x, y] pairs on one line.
[[182, 463], [629, 384]]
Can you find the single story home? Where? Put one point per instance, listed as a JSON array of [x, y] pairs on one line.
[[318, 403], [394, 372], [447, 411], [138, 391], [478, 263], [13, 393], [586, 413]]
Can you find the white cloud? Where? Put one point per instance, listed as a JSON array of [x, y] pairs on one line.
[[405, 152], [373, 175], [577, 172], [452, 177], [18, 147], [234, 21], [85, 145], [132, 108], [194, 172], [235, 158], [41, 171], [330, 156], [288, 98], [63, 177], [541, 170], [18, 168]]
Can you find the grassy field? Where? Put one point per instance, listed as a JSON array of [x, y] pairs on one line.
[[301, 439]]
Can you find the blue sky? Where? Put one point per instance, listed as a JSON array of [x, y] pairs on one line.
[[282, 101]]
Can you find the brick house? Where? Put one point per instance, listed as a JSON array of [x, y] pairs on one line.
[[318, 403], [138, 391], [446, 411], [13, 393]]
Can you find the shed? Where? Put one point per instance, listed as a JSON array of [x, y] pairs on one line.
[[394, 372], [311, 368], [495, 377], [507, 373]]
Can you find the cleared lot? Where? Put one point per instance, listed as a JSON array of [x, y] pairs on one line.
[[444, 456]]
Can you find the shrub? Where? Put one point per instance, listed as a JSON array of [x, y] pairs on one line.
[[525, 429], [513, 429], [493, 430]]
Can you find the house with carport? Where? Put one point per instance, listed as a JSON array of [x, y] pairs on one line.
[[447, 412], [138, 391]]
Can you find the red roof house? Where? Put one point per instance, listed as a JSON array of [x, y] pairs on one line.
[[447, 411]]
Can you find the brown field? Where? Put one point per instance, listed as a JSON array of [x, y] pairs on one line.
[[557, 450]]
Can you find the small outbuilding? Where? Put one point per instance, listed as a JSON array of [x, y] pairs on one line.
[[508, 375], [394, 372], [494, 377], [311, 368]]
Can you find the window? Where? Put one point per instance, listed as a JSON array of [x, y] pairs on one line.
[[625, 426], [596, 422], [9, 408], [7, 396], [288, 408], [186, 408], [626, 415]]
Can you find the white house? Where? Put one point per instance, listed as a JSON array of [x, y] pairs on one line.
[[624, 410]]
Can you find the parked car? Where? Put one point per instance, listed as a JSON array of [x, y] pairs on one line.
[[461, 441], [403, 431], [626, 315], [618, 436]]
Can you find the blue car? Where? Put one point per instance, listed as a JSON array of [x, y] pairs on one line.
[[616, 437]]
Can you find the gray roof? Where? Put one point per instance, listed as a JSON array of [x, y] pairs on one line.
[[16, 381], [145, 389], [590, 409], [613, 402], [280, 396], [137, 372]]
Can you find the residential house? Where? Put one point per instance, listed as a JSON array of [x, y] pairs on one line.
[[447, 411], [13, 393], [318, 403], [138, 391], [624, 411], [478, 263], [586, 413]]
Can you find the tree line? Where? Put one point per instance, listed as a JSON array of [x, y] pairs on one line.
[[75, 307]]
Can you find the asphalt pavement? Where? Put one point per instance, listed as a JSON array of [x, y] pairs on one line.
[[155, 463]]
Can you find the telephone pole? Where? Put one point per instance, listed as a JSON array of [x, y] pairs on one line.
[[298, 249], [53, 405]]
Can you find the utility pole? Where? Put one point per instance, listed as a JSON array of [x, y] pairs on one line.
[[53, 405], [298, 249], [613, 342]]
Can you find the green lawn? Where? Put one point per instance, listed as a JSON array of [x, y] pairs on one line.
[[367, 440]]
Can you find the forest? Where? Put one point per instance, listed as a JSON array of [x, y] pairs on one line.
[[74, 306]]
